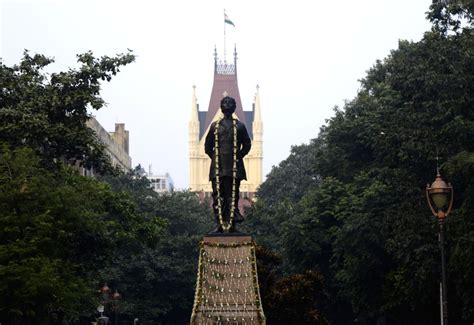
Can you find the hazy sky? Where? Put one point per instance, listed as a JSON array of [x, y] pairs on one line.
[[306, 56]]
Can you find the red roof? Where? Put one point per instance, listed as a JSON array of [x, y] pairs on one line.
[[225, 81]]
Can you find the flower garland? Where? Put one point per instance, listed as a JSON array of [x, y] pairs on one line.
[[203, 244], [258, 300], [203, 315], [198, 293], [225, 227]]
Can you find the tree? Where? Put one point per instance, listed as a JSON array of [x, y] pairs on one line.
[[364, 224], [59, 230], [157, 282], [48, 113], [278, 196], [291, 299]]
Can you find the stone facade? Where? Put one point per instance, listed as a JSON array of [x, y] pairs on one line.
[[116, 143]]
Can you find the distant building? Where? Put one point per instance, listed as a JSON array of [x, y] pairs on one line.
[[116, 145], [225, 84], [160, 183]]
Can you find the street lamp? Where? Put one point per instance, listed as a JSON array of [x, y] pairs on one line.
[[105, 299], [115, 298], [104, 293], [440, 201]]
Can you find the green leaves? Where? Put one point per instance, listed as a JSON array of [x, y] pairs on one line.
[[158, 276], [48, 113], [364, 223], [63, 235], [60, 229], [449, 15]]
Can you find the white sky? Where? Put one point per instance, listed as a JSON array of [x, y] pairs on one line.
[[307, 57]]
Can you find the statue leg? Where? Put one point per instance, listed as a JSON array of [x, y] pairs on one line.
[[214, 205], [225, 189], [226, 194], [237, 215]]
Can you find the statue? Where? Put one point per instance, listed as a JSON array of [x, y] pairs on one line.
[[227, 143]]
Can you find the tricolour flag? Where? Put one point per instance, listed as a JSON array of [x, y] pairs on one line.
[[227, 20]]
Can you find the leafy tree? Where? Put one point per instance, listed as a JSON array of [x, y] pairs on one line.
[[293, 299], [48, 113], [279, 194], [59, 229], [364, 223], [158, 282]]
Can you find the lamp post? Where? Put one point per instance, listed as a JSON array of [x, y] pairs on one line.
[[104, 294], [440, 201], [105, 299], [115, 298]]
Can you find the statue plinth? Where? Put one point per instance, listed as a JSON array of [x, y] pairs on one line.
[[227, 289]]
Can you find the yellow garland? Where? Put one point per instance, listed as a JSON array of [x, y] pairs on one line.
[[202, 244], [225, 227], [200, 299], [197, 296], [258, 300]]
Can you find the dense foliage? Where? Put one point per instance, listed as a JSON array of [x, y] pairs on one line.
[[48, 113], [351, 205], [64, 235], [158, 282]]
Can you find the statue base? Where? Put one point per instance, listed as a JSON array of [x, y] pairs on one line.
[[227, 289], [226, 234]]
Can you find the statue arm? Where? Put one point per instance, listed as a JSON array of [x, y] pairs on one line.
[[209, 143], [246, 143]]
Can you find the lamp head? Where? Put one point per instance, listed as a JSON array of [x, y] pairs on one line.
[[440, 194], [105, 289], [116, 295]]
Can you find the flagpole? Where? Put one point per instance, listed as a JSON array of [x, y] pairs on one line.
[[225, 55]]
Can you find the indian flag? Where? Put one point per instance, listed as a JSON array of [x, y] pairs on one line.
[[227, 20]]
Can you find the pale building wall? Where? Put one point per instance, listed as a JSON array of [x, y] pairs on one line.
[[116, 143], [161, 183]]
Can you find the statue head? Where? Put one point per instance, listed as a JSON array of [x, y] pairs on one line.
[[228, 106]]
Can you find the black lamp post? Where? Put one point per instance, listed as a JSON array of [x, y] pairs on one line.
[[440, 201]]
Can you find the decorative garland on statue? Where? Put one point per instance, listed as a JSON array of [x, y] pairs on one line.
[[224, 226], [208, 283]]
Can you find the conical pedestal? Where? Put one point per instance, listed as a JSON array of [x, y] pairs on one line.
[[227, 289]]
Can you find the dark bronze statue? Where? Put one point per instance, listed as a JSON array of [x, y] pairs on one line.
[[227, 143]]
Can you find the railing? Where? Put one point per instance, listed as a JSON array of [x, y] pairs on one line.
[[225, 68]]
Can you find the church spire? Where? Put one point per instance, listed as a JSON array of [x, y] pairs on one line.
[[235, 58], [257, 130], [194, 107], [215, 59], [257, 125], [194, 121], [257, 113]]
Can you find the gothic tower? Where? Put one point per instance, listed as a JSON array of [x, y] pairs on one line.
[[225, 84]]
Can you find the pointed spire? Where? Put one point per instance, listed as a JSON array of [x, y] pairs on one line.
[[235, 57], [215, 59], [257, 112], [257, 130], [194, 108]]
